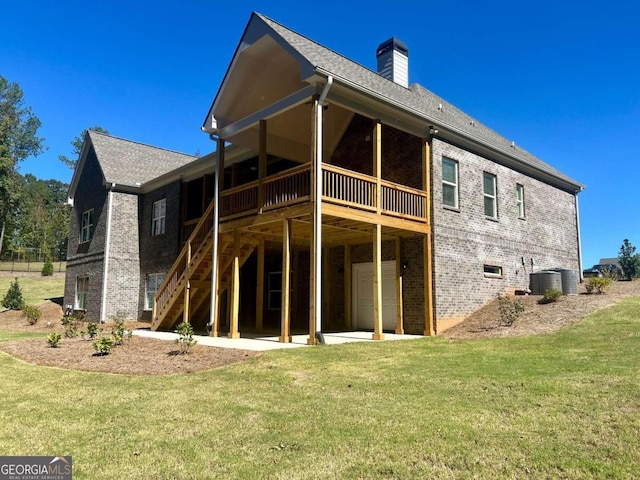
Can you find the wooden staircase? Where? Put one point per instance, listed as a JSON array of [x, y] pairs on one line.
[[187, 285]]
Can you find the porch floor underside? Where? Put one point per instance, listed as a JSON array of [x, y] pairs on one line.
[[260, 342]]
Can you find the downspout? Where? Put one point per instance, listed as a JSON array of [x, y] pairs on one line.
[[103, 313], [317, 209], [580, 274], [214, 248]]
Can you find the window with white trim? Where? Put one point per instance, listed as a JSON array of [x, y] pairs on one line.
[[449, 183], [82, 293], [152, 284], [492, 271], [86, 226], [490, 195], [520, 200], [158, 217]]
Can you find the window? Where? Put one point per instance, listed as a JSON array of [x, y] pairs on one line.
[[492, 271], [450, 183], [490, 203], [158, 219], [86, 227], [82, 293], [520, 200], [154, 280]]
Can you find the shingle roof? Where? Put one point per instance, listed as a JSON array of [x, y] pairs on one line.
[[125, 162], [415, 98]]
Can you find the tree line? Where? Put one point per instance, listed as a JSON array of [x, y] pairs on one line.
[[34, 217]]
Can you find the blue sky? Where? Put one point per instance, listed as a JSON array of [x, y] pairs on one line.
[[560, 78]]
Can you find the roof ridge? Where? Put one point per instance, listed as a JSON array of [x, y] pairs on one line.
[[391, 82], [93, 132]]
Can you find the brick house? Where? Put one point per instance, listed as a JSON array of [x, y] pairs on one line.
[[338, 198]]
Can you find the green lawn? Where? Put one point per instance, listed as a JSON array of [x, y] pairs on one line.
[[565, 405], [35, 290]]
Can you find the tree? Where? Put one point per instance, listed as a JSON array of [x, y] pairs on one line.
[[40, 217], [77, 147], [18, 140], [629, 260]]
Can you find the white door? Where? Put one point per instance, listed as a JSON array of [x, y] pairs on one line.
[[363, 295]]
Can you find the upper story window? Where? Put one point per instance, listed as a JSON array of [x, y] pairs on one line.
[[154, 280], [520, 200], [86, 226], [449, 183], [490, 195], [158, 217]]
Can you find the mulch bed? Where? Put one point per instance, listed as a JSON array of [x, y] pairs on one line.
[[137, 356]]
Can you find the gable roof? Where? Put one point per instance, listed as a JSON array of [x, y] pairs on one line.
[[452, 123], [126, 163]]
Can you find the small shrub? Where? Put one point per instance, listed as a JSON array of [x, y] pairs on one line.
[[70, 324], [47, 268], [118, 331], [92, 330], [104, 345], [185, 340], [53, 339], [598, 284], [31, 313], [551, 295], [510, 309], [13, 299]]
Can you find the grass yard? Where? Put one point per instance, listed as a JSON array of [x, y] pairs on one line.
[[565, 405], [35, 289]]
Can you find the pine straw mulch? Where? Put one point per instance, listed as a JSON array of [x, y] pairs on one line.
[[137, 356], [147, 356], [538, 319]]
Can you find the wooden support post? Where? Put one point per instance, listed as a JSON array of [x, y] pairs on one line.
[[260, 286], [377, 163], [235, 287], [262, 162], [348, 306], [187, 302], [377, 283], [295, 254], [399, 312], [285, 306], [427, 249], [326, 285]]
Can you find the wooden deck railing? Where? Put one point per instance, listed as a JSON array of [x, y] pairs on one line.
[[174, 276], [339, 186]]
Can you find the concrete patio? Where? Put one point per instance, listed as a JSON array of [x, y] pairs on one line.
[[263, 343]]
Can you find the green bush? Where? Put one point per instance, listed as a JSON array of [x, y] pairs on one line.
[[70, 324], [185, 340], [551, 295], [119, 331], [510, 309], [598, 284], [103, 345], [53, 339], [31, 313], [92, 330], [13, 299], [47, 268]]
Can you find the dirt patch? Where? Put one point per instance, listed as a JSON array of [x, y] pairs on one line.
[[538, 319], [138, 356]]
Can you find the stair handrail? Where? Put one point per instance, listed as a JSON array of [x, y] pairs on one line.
[[181, 264]]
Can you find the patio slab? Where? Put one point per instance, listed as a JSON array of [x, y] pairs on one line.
[[262, 343]]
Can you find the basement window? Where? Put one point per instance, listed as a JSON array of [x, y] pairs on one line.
[[493, 271]]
